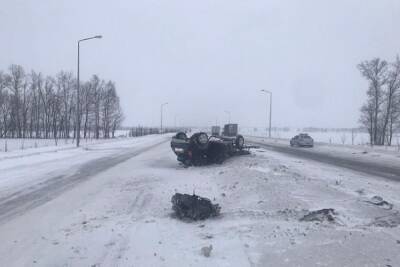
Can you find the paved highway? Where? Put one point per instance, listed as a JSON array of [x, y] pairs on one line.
[[376, 168]]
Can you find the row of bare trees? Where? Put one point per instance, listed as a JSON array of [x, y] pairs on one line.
[[36, 106], [380, 115]]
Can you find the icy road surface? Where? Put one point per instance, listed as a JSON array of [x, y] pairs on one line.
[[365, 160], [110, 206]]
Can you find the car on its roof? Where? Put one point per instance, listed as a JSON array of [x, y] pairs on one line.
[[302, 140], [200, 149]]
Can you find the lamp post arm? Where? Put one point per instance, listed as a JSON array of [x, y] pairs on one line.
[[89, 38]]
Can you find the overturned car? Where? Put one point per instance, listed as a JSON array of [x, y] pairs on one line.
[[200, 149]]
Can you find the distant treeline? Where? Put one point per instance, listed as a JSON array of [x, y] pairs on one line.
[[380, 114], [316, 129], [140, 130], [309, 129], [33, 105]]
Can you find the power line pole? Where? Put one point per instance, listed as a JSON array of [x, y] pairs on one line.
[[270, 110], [229, 115], [162, 106]]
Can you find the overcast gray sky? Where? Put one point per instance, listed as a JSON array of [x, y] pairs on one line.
[[204, 57]]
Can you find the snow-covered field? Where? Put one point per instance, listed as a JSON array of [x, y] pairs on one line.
[[120, 215], [14, 144]]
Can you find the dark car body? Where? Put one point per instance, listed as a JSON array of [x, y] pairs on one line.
[[302, 140], [200, 149]]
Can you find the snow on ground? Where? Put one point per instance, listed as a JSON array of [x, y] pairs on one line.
[[121, 216], [19, 144], [39, 146], [388, 155], [26, 169], [341, 137]]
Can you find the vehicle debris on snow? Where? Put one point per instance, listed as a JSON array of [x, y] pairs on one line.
[[201, 149], [319, 216], [193, 207], [206, 251], [379, 201], [388, 221]]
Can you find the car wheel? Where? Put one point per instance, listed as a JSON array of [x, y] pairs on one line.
[[181, 135], [201, 140], [239, 142]]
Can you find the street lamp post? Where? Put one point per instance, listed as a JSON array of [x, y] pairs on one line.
[[176, 116], [229, 116], [270, 110], [162, 107], [78, 119]]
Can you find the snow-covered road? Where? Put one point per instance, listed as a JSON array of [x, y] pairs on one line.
[[385, 164], [118, 213], [31, 185]]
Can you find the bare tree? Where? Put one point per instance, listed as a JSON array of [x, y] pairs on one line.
[[117, 118], [37, 107], [392, 100], [16, 84], [3, 105], [353, 135], [65, 87], [375, 71]]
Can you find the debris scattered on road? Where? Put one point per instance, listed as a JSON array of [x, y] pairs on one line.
[[290, 214], [193, 207], [360, 191], [338, 182], [379, 201], [320, 216], [206, 251], [207, 236], [388, 221]]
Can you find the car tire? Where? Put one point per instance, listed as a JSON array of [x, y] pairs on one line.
[[181, 135], [239, 142], [197, 138]]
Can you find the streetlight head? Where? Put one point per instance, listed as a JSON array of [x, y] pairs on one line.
[[98, 36]]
